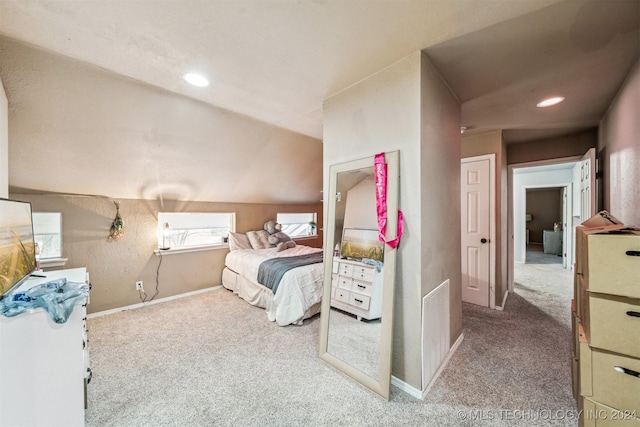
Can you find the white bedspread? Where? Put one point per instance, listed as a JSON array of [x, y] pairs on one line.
[[299, 289]]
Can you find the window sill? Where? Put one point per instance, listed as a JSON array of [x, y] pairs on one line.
[[175, 251], [52, 262]]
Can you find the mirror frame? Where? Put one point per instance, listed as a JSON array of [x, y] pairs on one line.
[[382, 385]]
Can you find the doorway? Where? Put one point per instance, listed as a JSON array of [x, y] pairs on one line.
[[546, 239], [576, 174]]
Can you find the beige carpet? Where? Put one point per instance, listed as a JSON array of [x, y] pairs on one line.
[[213, 360]]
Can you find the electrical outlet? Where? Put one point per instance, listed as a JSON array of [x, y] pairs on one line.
[[139, 286]]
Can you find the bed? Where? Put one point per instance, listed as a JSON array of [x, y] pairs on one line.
[[298, 293]]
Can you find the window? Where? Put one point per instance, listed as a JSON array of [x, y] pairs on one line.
[[298, 224], [194, 229], [47, 231]]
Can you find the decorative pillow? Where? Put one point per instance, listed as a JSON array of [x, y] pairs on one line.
[[259, 239], [238, 241]]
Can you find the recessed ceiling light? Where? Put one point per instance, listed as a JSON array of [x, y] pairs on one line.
[[550, 101], [196, 79]]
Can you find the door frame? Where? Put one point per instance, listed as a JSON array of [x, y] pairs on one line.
[[511, 201], [492, 221]]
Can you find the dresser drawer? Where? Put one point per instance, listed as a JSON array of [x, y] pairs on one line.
[[362, 287], [613, 264], [359, 300], [363, 273], [342, 295], [346, 269], [614, 324], [603, 378], [596, 414], [344, 282]]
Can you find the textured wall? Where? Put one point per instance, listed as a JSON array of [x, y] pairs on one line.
[[440, 191], [619, 151], [545, 207], [408, 108], [75, 128], [116, 265], [552, 148]]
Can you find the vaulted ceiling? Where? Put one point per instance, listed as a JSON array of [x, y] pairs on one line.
[[277, 60]]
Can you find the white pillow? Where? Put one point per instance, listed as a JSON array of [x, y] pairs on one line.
[[238, 241], [259, 239]]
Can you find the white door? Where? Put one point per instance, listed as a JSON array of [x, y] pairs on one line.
[[588, 185], [475, 202]]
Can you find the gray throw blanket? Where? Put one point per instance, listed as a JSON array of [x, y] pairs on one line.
[[271, 271]]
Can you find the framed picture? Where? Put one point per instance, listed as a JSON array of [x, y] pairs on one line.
[[360, 243]]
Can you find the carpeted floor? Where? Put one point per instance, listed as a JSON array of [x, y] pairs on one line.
[[213, 360]]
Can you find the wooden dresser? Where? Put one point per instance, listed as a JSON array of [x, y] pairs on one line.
[[606, 327], [357, 288]]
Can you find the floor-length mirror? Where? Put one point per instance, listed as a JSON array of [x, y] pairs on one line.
[[357, 308]]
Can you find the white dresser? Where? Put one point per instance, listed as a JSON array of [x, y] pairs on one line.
[[43, 364], [606, 322], [357, 288]]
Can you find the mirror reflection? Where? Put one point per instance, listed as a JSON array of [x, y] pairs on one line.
[[357, 270]]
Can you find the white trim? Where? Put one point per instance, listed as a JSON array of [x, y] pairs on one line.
[[156, 301], [418, 394], [492, 222], [52, 262], [504, 301]]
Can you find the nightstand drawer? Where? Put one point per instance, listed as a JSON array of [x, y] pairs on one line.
[[359, 300]]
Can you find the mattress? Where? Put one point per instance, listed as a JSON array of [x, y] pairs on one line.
[[300, 292]]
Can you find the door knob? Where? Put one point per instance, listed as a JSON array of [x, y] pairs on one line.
[[483, 240]]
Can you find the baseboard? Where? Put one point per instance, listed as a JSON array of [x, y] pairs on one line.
[[421, 394], [155, 301], [504, 301]]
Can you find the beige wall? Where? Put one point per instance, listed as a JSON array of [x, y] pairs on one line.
[[545, 207], [619, 152], [552, 148], [492, 143], [440, 152], [407, 107], [76, 128], [116, 265]]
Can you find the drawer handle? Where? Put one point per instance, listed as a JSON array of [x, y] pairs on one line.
[[627, 371], [364, 287], [633, 313], [633, 253], [360, 301]]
